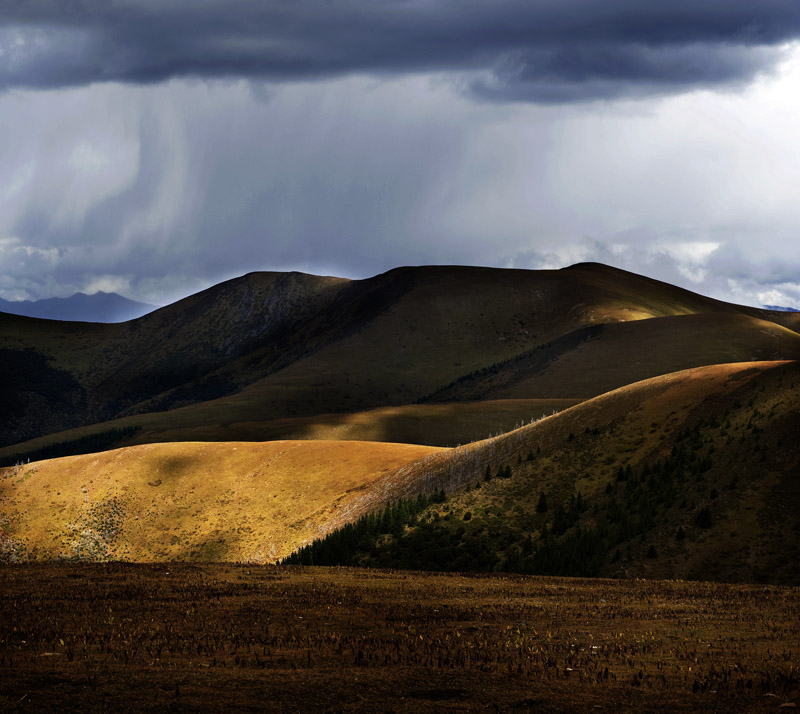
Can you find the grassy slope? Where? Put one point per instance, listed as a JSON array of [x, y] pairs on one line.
[[259, 501], [305, 345], [199, 501], [742, 420], [604, 357], [98, 371], [456, 320], [228, 419]]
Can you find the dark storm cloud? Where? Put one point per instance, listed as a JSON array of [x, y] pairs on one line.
[[598, 71], [546, 51]]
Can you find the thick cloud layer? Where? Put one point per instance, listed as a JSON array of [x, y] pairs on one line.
[[158, 191], [545, 51], [446, 131]]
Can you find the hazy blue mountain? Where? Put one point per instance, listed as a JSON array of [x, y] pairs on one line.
[[99, 307], [781, 309]]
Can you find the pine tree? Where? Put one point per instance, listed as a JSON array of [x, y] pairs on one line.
[[541, 506]]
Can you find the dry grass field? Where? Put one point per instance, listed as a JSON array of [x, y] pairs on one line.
[[227, 638], [188, 501]]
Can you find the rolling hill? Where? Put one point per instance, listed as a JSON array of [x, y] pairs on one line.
[[584, 421], [273, 346], [599, 358], [695, 474], [192, 501]]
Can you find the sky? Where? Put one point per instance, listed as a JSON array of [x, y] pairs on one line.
[[155, 147]]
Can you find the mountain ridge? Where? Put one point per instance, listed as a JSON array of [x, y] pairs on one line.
[[294, 345]]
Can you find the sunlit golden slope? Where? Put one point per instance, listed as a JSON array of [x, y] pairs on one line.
[[198, 501]]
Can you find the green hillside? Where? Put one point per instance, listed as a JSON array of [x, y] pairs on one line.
[[693, 475]]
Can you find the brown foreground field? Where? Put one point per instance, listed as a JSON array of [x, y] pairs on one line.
[[228, 638]]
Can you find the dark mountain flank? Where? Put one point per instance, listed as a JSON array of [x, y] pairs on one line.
[[270, 346]]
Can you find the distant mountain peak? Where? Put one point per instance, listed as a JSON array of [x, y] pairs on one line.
[[80, 307], [780, 308]]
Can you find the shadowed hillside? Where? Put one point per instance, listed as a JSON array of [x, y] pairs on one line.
[[270, 346], [427, 424], [599, 358], [99, 371], [692, 475]]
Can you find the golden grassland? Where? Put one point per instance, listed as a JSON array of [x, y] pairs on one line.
[[260, 501], [222, 638], [198, 501]]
